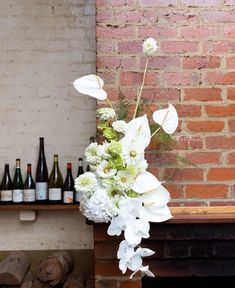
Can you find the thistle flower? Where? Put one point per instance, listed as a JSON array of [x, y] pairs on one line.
[[150, 47]]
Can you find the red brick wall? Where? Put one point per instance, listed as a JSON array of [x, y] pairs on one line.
[[194, 69]]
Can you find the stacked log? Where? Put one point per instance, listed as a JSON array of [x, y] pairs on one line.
[[13, 268], [75, 280], [55, 268]]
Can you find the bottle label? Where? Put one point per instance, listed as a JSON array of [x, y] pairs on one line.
[[6, 195], [54, 194], [68, 197], [41, 190], [29, 195], [78, 196], [17, 195]]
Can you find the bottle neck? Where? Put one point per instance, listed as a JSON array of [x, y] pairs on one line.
[[29, 169], [56, 161], [17, 163], [41, 146], [6, 169]]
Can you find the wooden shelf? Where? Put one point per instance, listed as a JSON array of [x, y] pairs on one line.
[[16, 207], [217, 214]]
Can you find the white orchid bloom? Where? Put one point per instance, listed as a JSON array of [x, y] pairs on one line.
[[130, 206], [145, 182], [136, 230], [167, 119], [137, 131], [131, 259], [145, 270], [91, 85]]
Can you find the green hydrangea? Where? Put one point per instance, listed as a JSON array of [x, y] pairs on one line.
[[132, 170], [116, 163], [132, 194], [110, 134], [114, 148]]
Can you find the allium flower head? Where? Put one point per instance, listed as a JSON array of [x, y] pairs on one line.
[[150, 47], [105, 113]]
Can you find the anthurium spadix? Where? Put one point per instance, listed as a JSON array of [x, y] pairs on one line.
[[167, 119], [138, 131], [145, 182], [91, 85]]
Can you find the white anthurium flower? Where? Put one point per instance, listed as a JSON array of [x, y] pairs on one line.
[[137, 131], [145, 182], [157, 197], [136, 230], [91, 85], [154, 213], [167, 119], [104, 171], [150, 47]]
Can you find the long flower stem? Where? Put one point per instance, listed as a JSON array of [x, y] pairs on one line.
[[111, 106], [141, 88], [164, 119]]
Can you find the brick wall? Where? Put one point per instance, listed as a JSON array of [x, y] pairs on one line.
[[194, 69]]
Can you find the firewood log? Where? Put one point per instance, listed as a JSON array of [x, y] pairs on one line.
[[28, 280], [74, 280], [13, 268], [90, 282], [37, 283], [55, 268]]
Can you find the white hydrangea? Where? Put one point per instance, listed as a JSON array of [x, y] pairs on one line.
[[93, 154], [86, 183], [106, 113], [119, 126], [150, 47], [100, 207]]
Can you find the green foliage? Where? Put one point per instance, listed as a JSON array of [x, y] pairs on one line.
[[122, 107]]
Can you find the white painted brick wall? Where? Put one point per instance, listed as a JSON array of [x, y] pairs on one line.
[[44, 46]]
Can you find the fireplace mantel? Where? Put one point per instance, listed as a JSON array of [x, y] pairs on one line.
[[216, 214]]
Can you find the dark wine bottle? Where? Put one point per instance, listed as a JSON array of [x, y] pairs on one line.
[[41, 175], [92, 140], [18, 185], [29, 195], [6, 187], [80, 172], [68, 188], [80, 167], [55, 183]]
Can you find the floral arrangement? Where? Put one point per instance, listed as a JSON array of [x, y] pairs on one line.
[[119, 189]]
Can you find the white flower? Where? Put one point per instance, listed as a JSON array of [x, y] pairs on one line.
[[91, 85], [131, 259], [167, 118], [145, 182], [104, 171], [150, 47], [119, 126], [124, 180], [86, 183], [132, 154], [136, 230], [100, 207], [93, 154], [106, 113]]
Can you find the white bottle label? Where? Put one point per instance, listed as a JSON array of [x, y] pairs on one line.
[[78, 196], [41, 190], [6, 195], [68, 197], [29, 195], [54, 194], [17, 195]]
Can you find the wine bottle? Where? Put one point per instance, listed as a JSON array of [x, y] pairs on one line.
[[29, 187], [80, 172], [68, 188], [55, 183], [80, 167], [41, 175], [18, 185], [92, 140], [6, 187]]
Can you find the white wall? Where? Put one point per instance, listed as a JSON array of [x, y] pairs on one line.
[[45, 46]]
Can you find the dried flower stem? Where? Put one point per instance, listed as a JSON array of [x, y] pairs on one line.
[[141, 88]]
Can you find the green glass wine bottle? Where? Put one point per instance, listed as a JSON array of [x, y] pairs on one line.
[[55, 183]]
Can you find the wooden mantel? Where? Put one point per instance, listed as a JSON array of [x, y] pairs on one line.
[[216, 214]]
